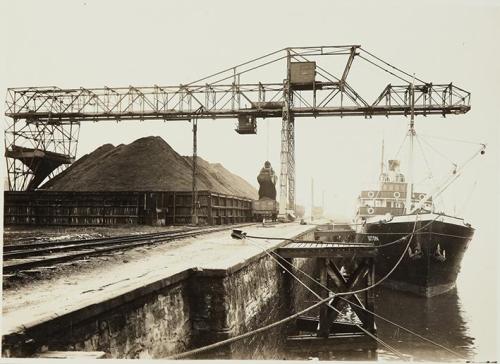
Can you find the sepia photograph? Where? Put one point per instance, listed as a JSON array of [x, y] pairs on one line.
[[250, 180]]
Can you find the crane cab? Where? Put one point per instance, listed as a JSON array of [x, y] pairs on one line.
[[246, 124]]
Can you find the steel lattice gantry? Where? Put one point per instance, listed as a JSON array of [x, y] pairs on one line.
[[43, 122]]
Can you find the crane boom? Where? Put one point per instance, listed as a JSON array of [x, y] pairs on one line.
[[66, 106]]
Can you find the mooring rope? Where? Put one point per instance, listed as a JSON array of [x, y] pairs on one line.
[[289, 318], [373, 313], [245, 335], [381, 279], [390, 348], [320, 302], [242, 235]]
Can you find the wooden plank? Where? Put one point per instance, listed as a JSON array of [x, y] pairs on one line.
[[322, 252]]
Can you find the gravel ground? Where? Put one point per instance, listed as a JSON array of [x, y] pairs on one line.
[[19, 236], [23, 235], [99, 278]]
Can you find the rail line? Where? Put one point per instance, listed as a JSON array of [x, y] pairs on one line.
[[48, 253]]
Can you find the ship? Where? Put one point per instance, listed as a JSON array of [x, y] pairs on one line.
[[420, 250], [429, 245]]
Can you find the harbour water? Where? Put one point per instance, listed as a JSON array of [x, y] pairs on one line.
[[463, 320], [441, 319]]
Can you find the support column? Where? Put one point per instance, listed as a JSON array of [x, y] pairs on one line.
[[291, 163], [287, 175], [370, 296], [324, 324], [284, 168], [194, 195]]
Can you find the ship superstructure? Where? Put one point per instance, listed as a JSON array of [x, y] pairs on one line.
[[390, 197]]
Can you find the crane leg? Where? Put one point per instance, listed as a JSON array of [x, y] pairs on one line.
[[284, 169], [287, 174]]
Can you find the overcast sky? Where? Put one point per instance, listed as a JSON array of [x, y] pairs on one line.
[[93, 43], [120, 43]]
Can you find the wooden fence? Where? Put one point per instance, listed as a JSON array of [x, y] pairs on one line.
[[121, 208]]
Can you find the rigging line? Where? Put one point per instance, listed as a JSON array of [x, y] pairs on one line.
[[390, 65], [452, 139], [214, 83], [438, 152], [401, 146], [393, 350], [239, 65], [383, 69], [457, 174], [421, 181], [247, 334], [423, 154], [373, 313]]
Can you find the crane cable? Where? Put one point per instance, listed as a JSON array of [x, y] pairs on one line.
[[390, 65], [267, 141]]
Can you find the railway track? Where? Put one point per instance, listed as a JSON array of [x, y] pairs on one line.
[[46, 254]]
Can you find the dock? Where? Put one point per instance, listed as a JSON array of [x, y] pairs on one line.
[[155, 302], [342, 267]]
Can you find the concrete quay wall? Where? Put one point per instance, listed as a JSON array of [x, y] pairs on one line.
[[187, 310]]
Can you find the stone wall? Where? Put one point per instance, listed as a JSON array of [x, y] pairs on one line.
[[193, 309], [259, 293], [151, 324]]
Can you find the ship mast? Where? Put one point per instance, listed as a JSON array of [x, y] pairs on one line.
[[382, 160], [411, 132]]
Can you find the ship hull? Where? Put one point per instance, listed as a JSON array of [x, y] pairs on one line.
[[442, 242]]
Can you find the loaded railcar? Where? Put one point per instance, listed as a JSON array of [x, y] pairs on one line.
[[266, 207]]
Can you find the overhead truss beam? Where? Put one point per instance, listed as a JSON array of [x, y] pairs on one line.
[[48, 118], [56, 106]]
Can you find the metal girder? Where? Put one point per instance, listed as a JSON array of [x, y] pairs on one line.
[[46, 117], [64, 107], [38, 150]]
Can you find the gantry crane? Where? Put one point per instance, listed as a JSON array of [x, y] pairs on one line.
[[42, 133]]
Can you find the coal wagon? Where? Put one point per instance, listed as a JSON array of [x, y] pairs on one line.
[[265, 209]]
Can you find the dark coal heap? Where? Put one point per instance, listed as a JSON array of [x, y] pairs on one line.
[[147, 164]]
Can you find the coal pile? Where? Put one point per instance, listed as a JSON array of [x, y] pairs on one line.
[[147, 164]]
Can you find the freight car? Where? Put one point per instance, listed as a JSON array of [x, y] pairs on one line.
[[265, 209]]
